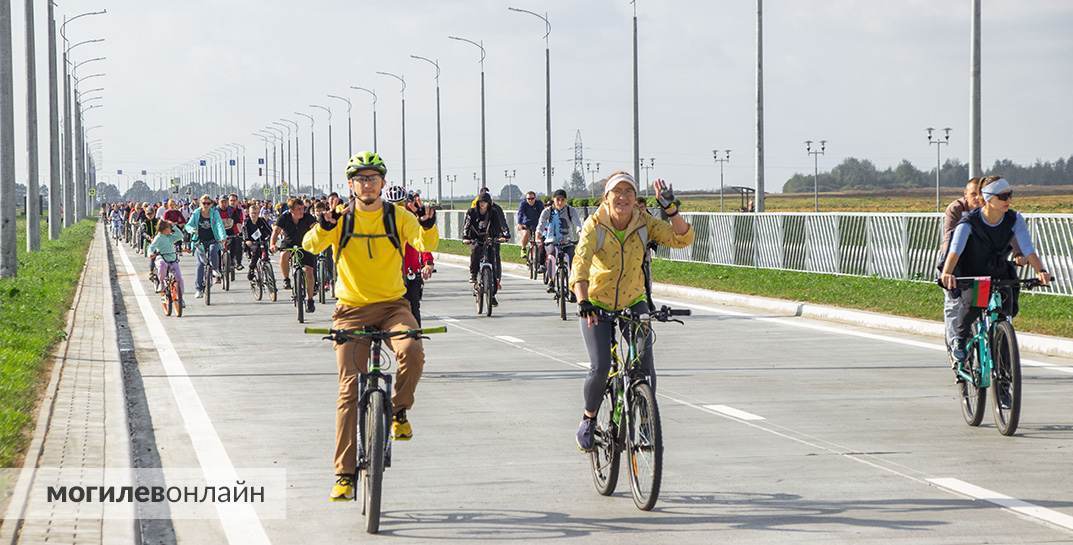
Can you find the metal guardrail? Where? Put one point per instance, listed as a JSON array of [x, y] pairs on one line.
[[884, 245]]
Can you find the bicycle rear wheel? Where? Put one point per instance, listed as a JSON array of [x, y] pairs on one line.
[[1006, 378], [644, 447], [972, 398], [532, 262], [478, 294], [257, 287], [605, 453], [166, 300], [561, 293], [373, 475], [225, 266], [322, 273], [300, 294], [208, 285], [269, 279], [177, 297], [489, 289]]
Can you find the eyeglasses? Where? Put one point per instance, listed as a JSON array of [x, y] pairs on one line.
[[206, 202], [530, 198], [366, 179], [1004, 196]]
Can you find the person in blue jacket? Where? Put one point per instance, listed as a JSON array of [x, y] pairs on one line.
[[526, 219], [206, 230]]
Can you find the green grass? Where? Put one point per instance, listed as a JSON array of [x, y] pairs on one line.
[[1044, 314], [32, 310]]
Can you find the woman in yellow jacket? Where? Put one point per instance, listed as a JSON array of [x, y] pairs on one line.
[[607, 274]]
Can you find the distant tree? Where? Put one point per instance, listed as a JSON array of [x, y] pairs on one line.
[[577, 183], [510, 193]]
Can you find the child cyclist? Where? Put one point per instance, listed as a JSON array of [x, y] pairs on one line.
[[163, 245]]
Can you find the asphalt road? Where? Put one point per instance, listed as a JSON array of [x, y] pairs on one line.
[[777, 429]]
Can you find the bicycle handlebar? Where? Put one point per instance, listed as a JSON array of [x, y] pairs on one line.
[[1029, 283], [374, 333]]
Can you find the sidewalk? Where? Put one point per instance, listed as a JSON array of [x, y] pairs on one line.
[[82, 423]]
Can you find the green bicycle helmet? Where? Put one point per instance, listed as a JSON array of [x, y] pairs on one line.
[[364, 161]]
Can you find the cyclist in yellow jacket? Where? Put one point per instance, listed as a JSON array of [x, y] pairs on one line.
[[370, 293], [607, 274]]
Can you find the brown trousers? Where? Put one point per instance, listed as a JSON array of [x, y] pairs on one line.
[[352, 359]]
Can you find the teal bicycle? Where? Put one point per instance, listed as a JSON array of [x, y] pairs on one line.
[[993, 361], [628, 420]]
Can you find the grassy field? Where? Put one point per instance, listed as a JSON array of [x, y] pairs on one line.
[[1042, 199], [1044, 314], [32, 309]]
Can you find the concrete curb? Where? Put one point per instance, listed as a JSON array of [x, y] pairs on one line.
[[1029, 342]]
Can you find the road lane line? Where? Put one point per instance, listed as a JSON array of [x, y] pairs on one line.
[[736, 413], [509, 339], [1022, 507], [240, 522]]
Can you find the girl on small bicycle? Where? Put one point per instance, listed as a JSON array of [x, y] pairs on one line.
[[980, 246], [607, 274], [163, 246]]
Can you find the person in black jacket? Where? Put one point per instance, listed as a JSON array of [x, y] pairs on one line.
[[255, 232], [484, 222]]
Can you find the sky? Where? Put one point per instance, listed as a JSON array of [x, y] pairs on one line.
[[183, 78]]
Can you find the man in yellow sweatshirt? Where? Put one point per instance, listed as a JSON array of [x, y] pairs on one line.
[[370, 293]]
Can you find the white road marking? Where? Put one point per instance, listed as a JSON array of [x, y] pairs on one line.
[[736, 413], [583, 364], [448, 319], [240, 521], [1021, 507], [509, 339]]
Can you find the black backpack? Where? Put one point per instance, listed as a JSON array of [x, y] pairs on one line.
[[390, 231]]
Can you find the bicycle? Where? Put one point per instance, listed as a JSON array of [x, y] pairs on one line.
[[226, 266], [561, 277], [993, 360], [629, 416], [485, 288], [171, 296], [324, 277], [210, 272], [374, 413], [299, 277], [263, 277], [532, 255]]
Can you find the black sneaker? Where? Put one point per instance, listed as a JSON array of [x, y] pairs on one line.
[[585, 431], [495, 302], [286, 283], [310, 308], [551, 288], [250, 275]]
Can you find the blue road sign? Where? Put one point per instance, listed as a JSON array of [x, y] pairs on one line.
[[232, 162], [260, 160], [202, 162], [120, 171]]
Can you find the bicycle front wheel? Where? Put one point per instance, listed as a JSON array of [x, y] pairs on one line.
[[300, 295], [375, 445], [562, 293], [605, 453], [644, 447], [257, 286], [225, 266], [208, 285], [532, 262], [489, 290], [972, 397], [1006, 378], [322, 273]]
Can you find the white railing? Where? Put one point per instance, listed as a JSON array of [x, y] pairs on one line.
[[897, 246]]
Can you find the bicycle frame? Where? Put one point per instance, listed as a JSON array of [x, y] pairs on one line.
[[981, 342], [626, 371], [367, 384]]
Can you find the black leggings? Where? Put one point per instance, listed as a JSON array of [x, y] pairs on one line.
[[475, 255], [415, 288], [598, 342]]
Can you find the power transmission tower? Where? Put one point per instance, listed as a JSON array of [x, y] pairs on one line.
[[579, 155]]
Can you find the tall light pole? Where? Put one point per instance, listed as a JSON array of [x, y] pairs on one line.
[[939, 143], [349, 125], [815, 168], [451, 180], [439, 149], [331, 182], [55, 179], [312, 150], [80, 194], [243, 166], [403, 94], [758, 199], [636, 115], [297, 155], [721, 160], [264, 162], [371, 92], [277, 136], [547, 82], [33, 193], [68, 141], [484, 161], [975, 166], [510, 175], [275, 173], [648, 169], [9, 262], [592, 172], [288, 166]]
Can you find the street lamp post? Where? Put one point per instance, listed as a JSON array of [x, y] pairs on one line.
[[484, 162], [816, 168], [439, 149], [331, 183], [288, 166], [68, 141], [297, 155], [939, 142], [636, 114], [403, 93], [451, 180], [371, 92], [648, 168], [80, 194], [312, 150], [721, 160], [510, 175], [547, 81], [55, 180], [277, 137], [592, 172], [33, 200], [349, 125]]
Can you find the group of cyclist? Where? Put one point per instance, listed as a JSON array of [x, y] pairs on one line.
[[608, 255]]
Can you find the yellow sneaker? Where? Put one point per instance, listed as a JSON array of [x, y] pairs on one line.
[[400, 428], [343, 490]]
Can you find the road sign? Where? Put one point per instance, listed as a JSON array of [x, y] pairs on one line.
[[260, 160], [120, 171], [93, 192], [231, 162], [267, 191], [144, 173], [202, 162]]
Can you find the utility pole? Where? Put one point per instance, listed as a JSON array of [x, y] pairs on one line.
[[33, 193], [592, 172], [439, 148], [758, 201], [547, 83], [331, 182], [349, 124], [484, 161], [55, 188], [975, 165], [636, 115], [816, 168], [648, 169], [312, 150], [939, 142], [402, 93], [371, 92], [8, 261], [721, 160]]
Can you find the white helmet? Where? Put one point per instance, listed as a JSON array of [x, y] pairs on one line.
[[395, 194]]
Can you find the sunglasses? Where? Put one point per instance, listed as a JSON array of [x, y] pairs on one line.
[[206, 202], [1004, 196]]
